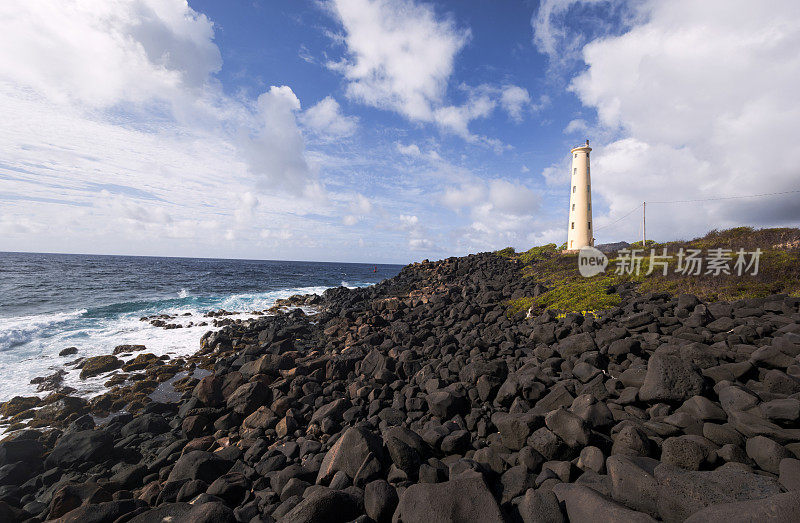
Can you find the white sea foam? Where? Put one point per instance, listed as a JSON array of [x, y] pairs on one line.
[[29, 346], [183, 293], [22, 329]]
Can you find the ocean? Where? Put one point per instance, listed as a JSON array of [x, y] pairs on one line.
[[49, 302]]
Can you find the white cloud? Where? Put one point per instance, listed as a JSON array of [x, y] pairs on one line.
[[562, 27], [512, 198], [514, 99], [114, 126], [13, 225], [400, 57], [456, 119], [501, 212], [465, 195], [99, 53], [577, 125], [326, 118], [400, 54], [360, 206], [421, 244], [701, 102], [275, 149], [411, 149], [409, 221], [414, 151]]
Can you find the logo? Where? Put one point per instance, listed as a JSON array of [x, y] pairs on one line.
[[591, 262]]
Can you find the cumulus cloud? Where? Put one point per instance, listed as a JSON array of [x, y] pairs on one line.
[[576, 126], [464, 195], [100, 53], [421, 244], [400, 57], [400, 54], [123, 96], [360, 207], [500, 211], [512, 198], [514, 99], [275, 150], [325, 118], [562, 27], [700, 102]]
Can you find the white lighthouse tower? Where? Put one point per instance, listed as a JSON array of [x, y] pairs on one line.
[[579, 228]]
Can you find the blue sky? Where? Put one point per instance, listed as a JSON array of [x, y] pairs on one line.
[[387, 131]]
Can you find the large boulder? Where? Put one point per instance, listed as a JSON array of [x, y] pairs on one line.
[[248, 397], [576, 344], [380, 500], [540, 506], [778, 508], [447, 403], [682, 493], [586, 505], [62, 409], [72, 495], [568, 426], [210, 512], [81, 446], [633, 482], [199, 464], [147, 423], [465, 499], [25, 450], [102, 512], [514, 428], [324, 506], [349, 453], [99, 364], [670, 378]]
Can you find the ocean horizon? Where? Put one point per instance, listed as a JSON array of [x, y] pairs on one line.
[[93, 302]]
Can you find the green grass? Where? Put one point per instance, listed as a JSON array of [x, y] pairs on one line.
[[779, 272]]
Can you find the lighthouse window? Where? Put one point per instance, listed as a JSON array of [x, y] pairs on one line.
[[588, 187], [573, 188], [573, 225], [576, 155], [590, 225], [573, 206], [575, 170], [590, 206]]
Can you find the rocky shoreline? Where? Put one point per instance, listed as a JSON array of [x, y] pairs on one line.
[[419, 399]]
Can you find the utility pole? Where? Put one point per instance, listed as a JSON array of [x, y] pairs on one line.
[[644, 242]]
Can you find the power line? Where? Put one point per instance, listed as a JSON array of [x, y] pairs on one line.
[[697, 200], [619, 219], [729, 197]]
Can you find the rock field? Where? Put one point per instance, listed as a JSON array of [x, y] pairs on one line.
[[419, 399]]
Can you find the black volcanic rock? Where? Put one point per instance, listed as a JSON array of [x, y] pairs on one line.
[[419, 398]]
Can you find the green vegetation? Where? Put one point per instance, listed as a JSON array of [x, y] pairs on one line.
[[779, 272], [638, 245], [535, 254], [508, 252]]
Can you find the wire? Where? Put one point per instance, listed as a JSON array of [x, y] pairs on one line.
[[698, 200], [729, 197], [618, 219]]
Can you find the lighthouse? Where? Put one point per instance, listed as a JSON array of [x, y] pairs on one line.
[[579, 228]]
